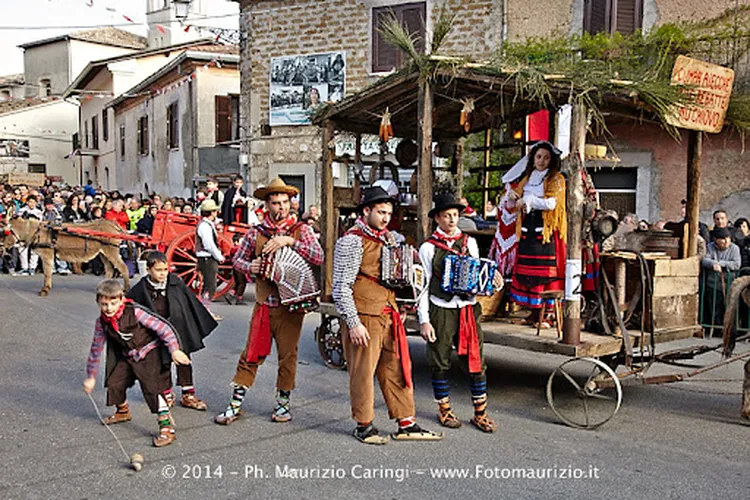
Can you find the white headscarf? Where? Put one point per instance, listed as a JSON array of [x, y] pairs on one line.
[[520, 166]]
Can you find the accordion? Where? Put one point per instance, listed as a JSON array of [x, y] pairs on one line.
[[294, 277], [401, 269], [465, 275]]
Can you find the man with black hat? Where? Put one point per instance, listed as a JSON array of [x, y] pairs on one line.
[[722, 259], [372, 330], [446, 319], [270, 319]]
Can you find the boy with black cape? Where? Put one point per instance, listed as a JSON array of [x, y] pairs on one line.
[[167, 295]]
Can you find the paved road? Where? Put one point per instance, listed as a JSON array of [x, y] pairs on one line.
[[666, 441]]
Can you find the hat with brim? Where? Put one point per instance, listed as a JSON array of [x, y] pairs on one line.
[[373, 195], [276, 186], [209, 205], [445, 201]]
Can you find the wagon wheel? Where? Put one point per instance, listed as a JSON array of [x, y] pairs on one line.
[[328, 338], [184, 263], [584, 393]]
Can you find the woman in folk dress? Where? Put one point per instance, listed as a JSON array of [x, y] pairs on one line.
[[541, 229]]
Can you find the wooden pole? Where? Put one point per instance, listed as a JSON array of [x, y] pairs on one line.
[[574, 205], [692, 210], [460, 168], [328, 217], [486, 172], [424, 167]]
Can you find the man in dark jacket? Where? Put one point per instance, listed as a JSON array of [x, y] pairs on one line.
[[167, 295], [234, 207]]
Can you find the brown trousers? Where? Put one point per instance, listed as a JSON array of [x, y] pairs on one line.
[[150, 374], [286, 328], [378, 358]]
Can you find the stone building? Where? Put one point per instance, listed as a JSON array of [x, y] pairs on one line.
[[279, 34]]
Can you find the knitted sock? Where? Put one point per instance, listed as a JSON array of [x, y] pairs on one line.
[[404, 423], [188, 389], [235, 404], [478, 386], [440, 387], [444, 405], [162, 413], [282, 403]]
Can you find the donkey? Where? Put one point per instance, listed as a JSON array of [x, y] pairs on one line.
[[739, 291], [45, 240]]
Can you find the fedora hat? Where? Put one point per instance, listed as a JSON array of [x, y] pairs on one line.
[[444, 201], [276, 186], [209, 205], [373, 195]]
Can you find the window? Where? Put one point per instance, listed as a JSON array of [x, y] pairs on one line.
[[122, 141], [173, 131], [227, 118], [412, 15], [143, 135], [616, 188], [76, 142], [37, 168], [86, 134], [610, 16], [105, 126], [6, 95], [45, 87], [94, 132]]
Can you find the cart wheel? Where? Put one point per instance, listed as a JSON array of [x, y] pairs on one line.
[[584, 393], [184, 263], [328, 338]]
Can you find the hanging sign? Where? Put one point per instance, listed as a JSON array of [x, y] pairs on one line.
[[712, 87]]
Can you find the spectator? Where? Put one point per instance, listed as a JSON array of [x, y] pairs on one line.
[[470, 220], [312, 218], [157, 201], [97, 212], [146, 224], [29, 258], [721, 262], [490, 210], [294, 206], [702, 227], [135, 212], [187, 208], [643, 225], [168, 205], [117, 215], [72, 211], [741, 231], [51, 214], [721, 220], [89, 190]]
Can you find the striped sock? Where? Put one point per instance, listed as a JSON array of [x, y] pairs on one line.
[[478, 387], [403, 423], [188, 389], [440, 388], [162, 413], [235, 404]]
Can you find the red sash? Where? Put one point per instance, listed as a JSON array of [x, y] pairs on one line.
[[468, 339], [259, 345], [402, 345]]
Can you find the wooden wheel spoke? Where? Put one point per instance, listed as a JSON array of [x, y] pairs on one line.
[[586, 411], [184, 253]]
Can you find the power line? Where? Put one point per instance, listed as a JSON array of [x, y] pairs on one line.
[[117, 25]]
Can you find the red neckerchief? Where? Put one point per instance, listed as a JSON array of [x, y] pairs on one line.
[[441, 240], [362, 229], [113, 321], [283, 226]]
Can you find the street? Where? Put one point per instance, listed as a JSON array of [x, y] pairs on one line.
[[681, 441]]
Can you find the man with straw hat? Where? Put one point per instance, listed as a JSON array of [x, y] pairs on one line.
[[271, 320], [207, 250]]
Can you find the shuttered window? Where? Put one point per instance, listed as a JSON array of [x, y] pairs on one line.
[[610, 16], [412, 15], [173, 132], [223, 118], [143, 135]]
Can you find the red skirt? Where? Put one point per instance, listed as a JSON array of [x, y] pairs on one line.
[[540, 267]]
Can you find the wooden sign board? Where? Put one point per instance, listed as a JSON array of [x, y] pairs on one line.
[[17, 178], [712, 88]]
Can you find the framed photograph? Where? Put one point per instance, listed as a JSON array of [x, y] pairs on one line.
[[301, 83]]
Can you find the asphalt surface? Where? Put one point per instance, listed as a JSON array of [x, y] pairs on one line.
[[678, 441]]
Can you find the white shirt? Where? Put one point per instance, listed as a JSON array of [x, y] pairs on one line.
[[206, 231], [533, 192], [426, 254]]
